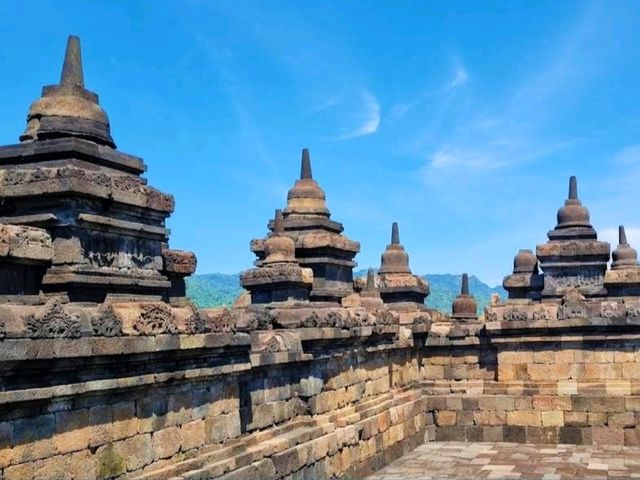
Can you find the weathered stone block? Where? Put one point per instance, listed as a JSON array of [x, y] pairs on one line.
[[151, 412], [490, 418], [450, 434], [166, 442], [607, 435], [111, 461], [73, 431], [223, 427], [125, 423], [597, 404], [623, 419], [551, 402], [445, 418], [553, 419], [575, 419], [632, 437], [524, 418], [192, 435], [542, 435], [597, 418], [492, 434], [515, 434], [139, 451]]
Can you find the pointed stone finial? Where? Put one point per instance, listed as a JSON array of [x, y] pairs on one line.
[[278, 224], [573, 188], [72, 67], [305, 168], [465, 284], [371, 282], [395, 234], [622, 236]]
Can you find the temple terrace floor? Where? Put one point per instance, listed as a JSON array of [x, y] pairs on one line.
[[446, 460]]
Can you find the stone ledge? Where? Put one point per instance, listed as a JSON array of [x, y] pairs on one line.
[[103, 386], [64, 148]]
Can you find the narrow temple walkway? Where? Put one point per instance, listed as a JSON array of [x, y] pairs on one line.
[[447, 460]]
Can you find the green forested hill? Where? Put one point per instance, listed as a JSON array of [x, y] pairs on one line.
[[445, 287], [217, 289], [213, 289]]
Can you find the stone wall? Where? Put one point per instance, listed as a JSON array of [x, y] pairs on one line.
[[166, 405], [251, 400], [552, 412]]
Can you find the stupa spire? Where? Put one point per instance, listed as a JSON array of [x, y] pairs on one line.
[[465, 284], [622, 236], [371, 282], [278, 224], [305, 167], [395, 234], [573, 188], [72, 73]]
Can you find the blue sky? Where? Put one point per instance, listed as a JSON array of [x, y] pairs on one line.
[[460, 120]]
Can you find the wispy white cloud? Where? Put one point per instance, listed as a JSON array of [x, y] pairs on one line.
[[512, 129], [459, 79], [369, 117], [446, 158], [327, 104]]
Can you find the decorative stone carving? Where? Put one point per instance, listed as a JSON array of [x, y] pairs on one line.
[[359, 317], [572, 305], [106, 323], [335, 319], [155, 319], [262, 320], [275, 344], [579, 279], [3, 331], [632, 309], [224, 322], [312, 320], [25, 242], [423, 319], [515, 314], [54, 322], [385, 317], [540, 314], [179, 261], [404, 336], [490, 315], [196, 323], [609, 309]]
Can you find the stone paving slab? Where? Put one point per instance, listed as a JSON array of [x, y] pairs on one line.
[[448, 460]]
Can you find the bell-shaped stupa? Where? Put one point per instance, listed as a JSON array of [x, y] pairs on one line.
[[397, 284], [319, 242], [573, 257]]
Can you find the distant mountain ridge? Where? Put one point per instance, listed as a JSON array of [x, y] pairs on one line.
[[221, 289]]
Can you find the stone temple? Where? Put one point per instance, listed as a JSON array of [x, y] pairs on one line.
[[109, 371]]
